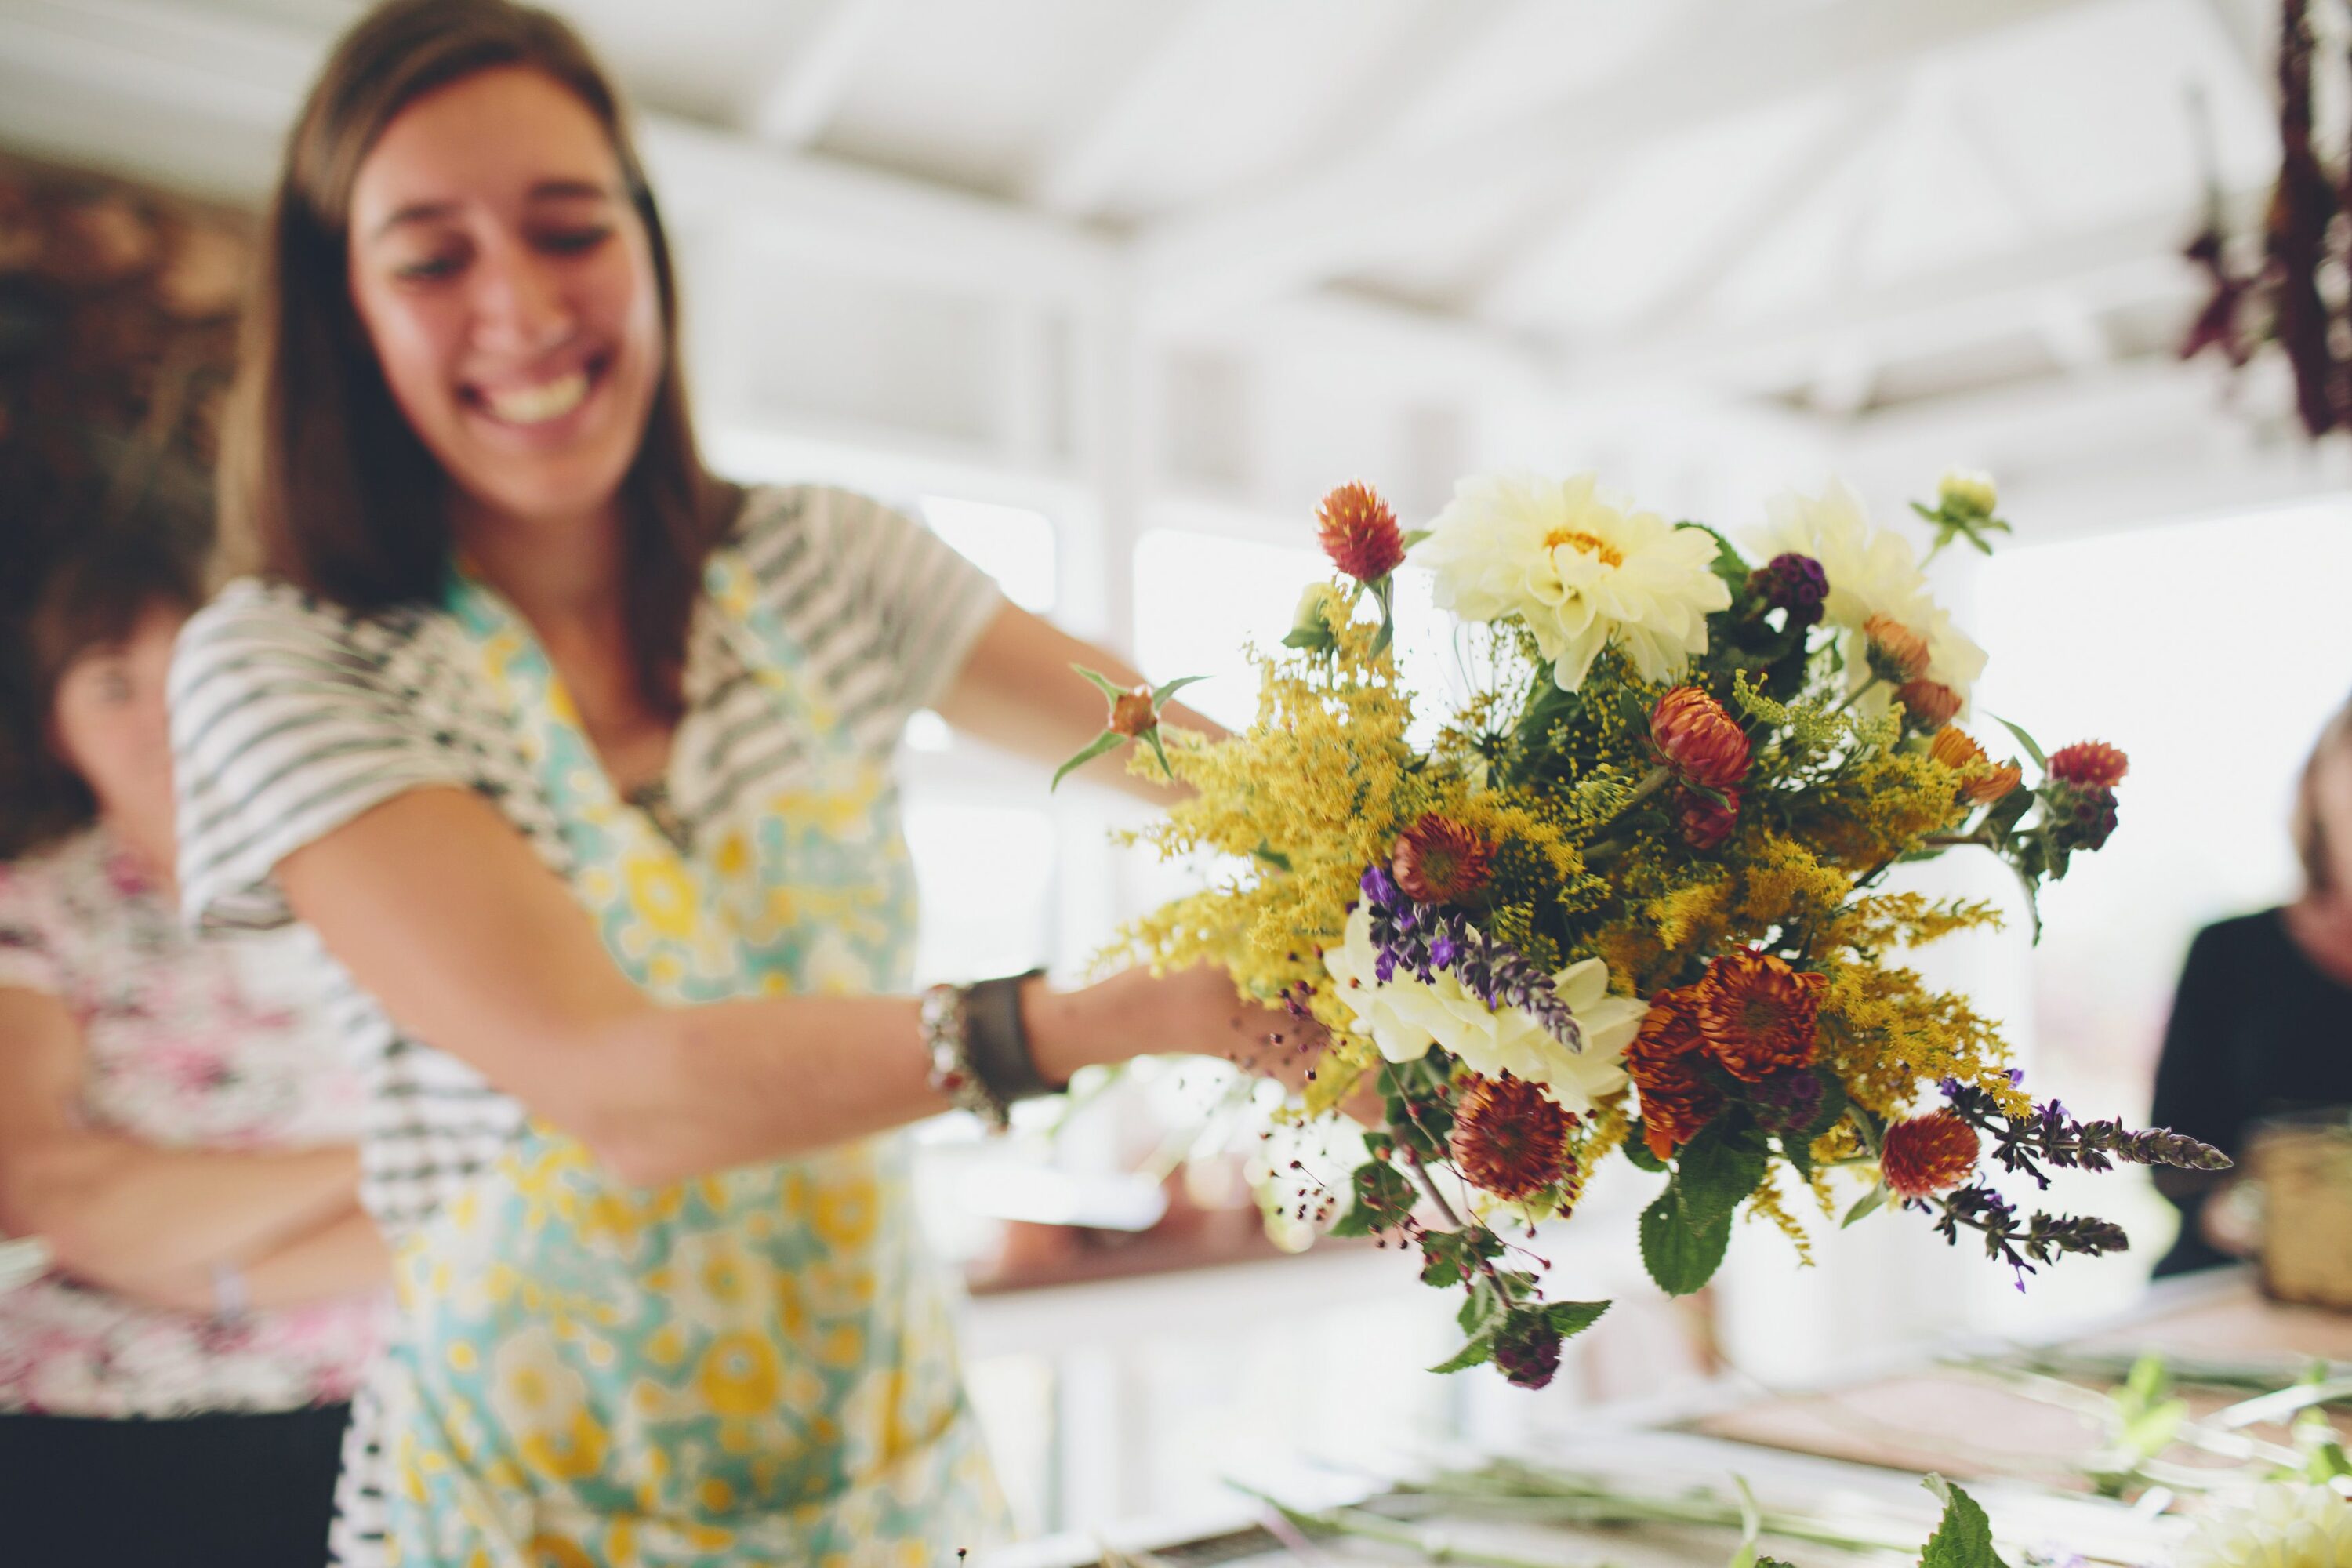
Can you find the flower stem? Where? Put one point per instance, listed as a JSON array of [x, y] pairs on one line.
[[1855, 695], [1651, 783]]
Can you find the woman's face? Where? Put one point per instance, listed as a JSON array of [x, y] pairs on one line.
[[500, 269], [110, 725], [2331, 801]]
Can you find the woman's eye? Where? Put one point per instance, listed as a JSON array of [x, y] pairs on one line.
[[574, 241], [428, 269]]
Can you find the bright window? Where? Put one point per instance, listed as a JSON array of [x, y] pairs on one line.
[[1011, 544]]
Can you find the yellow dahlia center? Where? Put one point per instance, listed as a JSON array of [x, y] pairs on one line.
[[1584, 543]]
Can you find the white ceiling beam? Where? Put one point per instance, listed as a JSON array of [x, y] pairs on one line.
[[809, 91], [1080, 176], [1306, 229], [2130, 263], [1415, 64], [1756, 217]]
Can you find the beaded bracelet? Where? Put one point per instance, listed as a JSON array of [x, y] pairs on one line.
[[947, 1034]]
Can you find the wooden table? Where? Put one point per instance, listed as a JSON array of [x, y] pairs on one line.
[[1860, 1448]]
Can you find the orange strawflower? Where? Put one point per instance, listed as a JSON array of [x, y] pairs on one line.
[[1676, 1099], [1958, 751], [1359, 533], [1896, 652], [1509, 1138], [1928, 1154], [1698, 739], [1930, 703], [1132, 714], [1703, 824], [1439, 861], [1757, 1014], [1996, 785], [1955, 747], [2089, 764]]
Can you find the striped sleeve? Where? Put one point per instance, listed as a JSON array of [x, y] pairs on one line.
[[885, 605], [282, 730]]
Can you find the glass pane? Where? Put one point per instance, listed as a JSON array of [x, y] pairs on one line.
[[1011, 544], [987, 875], [1201, 597]]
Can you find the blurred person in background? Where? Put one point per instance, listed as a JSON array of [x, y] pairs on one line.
[[177, 1123], [581, 762], [2261, 1022]]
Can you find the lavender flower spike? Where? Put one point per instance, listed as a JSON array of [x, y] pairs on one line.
[[1423, 939]]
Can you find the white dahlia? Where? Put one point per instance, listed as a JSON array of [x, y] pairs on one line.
[[1406, 1015], [1580, 570], [2288, 1524], [1871, 572]]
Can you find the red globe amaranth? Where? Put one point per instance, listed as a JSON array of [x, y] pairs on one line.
[[1527, 1350], [2089, 764], [1675, 1099], [1132, 714], [1698, 740], [1928, 1154], [1509, 1138], [1703, 824], [1359, 533], [1758, 1015], [1439, 861], [1929, 704]]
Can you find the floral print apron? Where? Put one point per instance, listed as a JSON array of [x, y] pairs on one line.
[[754, 1367]]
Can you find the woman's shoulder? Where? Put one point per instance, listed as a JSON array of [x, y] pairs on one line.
[[263, 610], [771, 519], [2240, 941]]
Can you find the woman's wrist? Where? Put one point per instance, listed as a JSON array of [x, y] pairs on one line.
[[1088, 1027]]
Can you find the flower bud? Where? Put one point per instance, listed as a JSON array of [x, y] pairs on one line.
[[1897, 653], [1930, 704], [1698, 739], [1967, 494], [1133, 715]]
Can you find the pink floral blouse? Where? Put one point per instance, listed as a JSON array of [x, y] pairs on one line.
[[219, 1044]]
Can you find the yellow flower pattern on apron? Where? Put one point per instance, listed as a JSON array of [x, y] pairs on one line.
[[754, 1367]]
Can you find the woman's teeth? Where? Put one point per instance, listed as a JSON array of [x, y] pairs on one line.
[[538, 404]]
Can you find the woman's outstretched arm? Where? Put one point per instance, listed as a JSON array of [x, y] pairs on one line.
[[1016, 689], [441, 912]]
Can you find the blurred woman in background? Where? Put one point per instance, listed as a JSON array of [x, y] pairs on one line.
[[2263, 1020], [176, 1123]]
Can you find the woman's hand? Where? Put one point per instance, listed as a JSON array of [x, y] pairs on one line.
[[1187, 1012]]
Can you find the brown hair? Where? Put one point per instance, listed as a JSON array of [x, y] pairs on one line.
[[318, 467], [90, 595], [2309, 822]]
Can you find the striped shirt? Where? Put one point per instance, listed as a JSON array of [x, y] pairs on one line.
[[291, 717]]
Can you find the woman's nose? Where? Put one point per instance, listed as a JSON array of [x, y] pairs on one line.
[[519, 304]]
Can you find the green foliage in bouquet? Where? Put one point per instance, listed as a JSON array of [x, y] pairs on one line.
[[1632, 895]]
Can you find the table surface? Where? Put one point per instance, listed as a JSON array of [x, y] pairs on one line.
[[1860, 1446]]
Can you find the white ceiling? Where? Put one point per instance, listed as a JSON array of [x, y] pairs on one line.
[[1956, 223]]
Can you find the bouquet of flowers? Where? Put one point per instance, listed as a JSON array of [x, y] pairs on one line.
[[1628, 895]]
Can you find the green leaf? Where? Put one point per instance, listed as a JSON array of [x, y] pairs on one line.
[[1452, 1256], [1103, 683], [1383, 1198], [1638, 1150], [1160, 695], [2026, 741], [1868, 1204], [1681, 1259], [1151, 738], [1478, 1352], [1101, 743], [1751, 1525], [1570, 1318], [1306, 639], [1272, 857], [1483, 1310], [1964, 1539], [1718, 1169]]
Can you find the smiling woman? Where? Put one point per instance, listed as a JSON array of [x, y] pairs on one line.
[[580, 761]]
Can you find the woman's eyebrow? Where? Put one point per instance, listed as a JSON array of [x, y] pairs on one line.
[[558, 190]]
